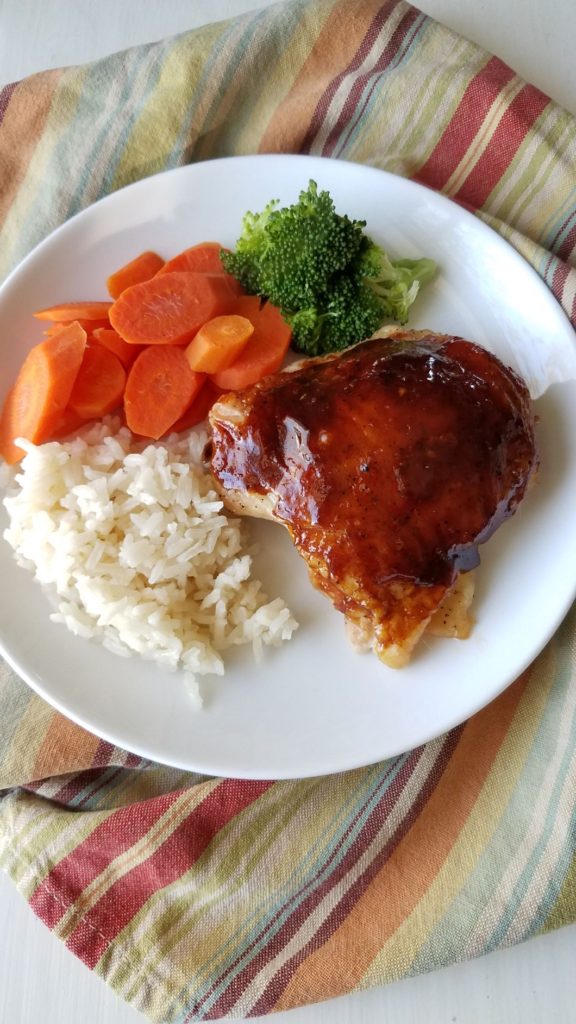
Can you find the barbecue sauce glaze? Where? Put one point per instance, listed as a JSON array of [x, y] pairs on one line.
[[391, 463]]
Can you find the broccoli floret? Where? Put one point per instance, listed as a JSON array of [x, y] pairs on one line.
[[333, 284], [245, 264], [351, 313], [396, 283]]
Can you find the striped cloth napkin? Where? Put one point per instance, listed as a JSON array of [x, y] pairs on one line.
[[198, 898]]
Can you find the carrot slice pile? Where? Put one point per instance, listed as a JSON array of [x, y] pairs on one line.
[[88, 325], [176, 335], [68, 423], [141, 268], [202, 259], [218, 343], [169, 309], [160, 388], [74, 311], [248, 306], [110, 338], [99, 384], [41, 391], [263, 354], [198, 409]]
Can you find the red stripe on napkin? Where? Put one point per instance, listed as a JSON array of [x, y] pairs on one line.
[[121, 830], [465, 124], [5, 97], [350, 109], [130, 891], [335, 871], [565, 249], [509, 135]]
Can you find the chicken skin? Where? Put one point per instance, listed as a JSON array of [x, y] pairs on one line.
[[389, 463]]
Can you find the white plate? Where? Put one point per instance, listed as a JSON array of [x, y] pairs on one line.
[[313, 706]]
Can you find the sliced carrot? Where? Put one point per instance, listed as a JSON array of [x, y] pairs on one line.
[[74, 311], [248, 306], [68, 423], [41, 391], [234, 285], [12, 412], [199, 408], [203, 259], [99, 385], [169, 309], [264, 353], [54, 329], [89, 326], [141, 268], [159, 390], [218, 343], [110, 339]]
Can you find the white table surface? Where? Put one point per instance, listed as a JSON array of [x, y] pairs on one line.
[[530, 984]]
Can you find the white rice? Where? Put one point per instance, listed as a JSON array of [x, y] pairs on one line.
[[133, 543]]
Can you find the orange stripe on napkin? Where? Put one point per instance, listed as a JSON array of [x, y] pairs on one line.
[[332, 969], [66, 747], [22, 126], [334, 47]]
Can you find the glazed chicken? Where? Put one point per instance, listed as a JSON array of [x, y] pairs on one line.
[[389, 463]]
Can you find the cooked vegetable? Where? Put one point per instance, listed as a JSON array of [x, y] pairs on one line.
[[127, 351], [41, 391], [248, 306], [203, 259], [141, 268], [218, 343], [263, 354], [198, 409], [333, 284], [170, 308], [159, 390], [74, 311], [99, 384], [67, 424], [110, 339], [88, 325]]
